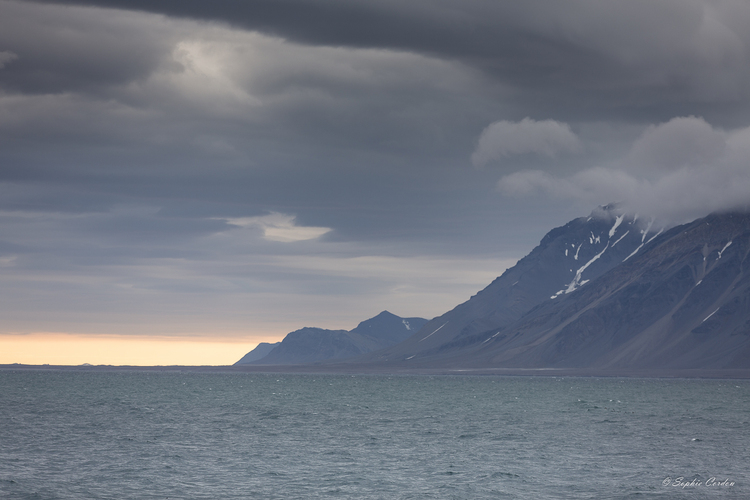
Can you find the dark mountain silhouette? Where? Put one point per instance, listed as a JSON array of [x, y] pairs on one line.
[[311, 345]]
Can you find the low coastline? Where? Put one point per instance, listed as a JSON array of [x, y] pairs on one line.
[[342, 369]]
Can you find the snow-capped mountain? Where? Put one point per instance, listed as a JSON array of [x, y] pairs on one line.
[[639, 299], [682, 304], [568, 258]]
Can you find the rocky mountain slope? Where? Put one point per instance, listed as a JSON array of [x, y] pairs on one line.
[[634, 298]]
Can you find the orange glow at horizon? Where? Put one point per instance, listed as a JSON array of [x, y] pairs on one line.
[[69, 349]]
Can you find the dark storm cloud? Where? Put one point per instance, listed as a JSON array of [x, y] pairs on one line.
[[581, 58], [58, 52], [112, 66], [220, 122], [361, 102]]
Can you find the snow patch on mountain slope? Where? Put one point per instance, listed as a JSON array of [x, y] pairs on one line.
[[725, 247], [620, 238], [433, 333], [573, 285], [644, 232], [618, 221], [717, 310]]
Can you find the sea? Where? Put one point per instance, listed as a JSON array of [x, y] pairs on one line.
[[98, 434]]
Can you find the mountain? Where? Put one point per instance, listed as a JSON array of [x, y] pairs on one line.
[[640, 298], [567, 259], [311, 345], [260, 352]]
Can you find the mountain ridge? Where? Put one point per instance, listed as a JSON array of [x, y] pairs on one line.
[[312, 345]]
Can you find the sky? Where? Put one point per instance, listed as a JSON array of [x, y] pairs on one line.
[[182, 180]]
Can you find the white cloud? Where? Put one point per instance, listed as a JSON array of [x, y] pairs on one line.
[[592, 186], [695, 169], [280, 227], [526, 182], [504, 138], [680, 142]]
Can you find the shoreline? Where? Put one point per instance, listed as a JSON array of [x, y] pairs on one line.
[[716, 374]]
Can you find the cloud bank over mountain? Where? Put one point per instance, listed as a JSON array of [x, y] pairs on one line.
[[676, 170]]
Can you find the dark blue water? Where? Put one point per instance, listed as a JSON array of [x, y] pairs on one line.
[[139, 435]]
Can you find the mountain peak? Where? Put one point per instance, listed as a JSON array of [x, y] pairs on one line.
[[608, 211], [383, 316]]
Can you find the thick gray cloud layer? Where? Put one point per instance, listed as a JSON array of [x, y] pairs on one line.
[[584, 58], [252, 167]]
